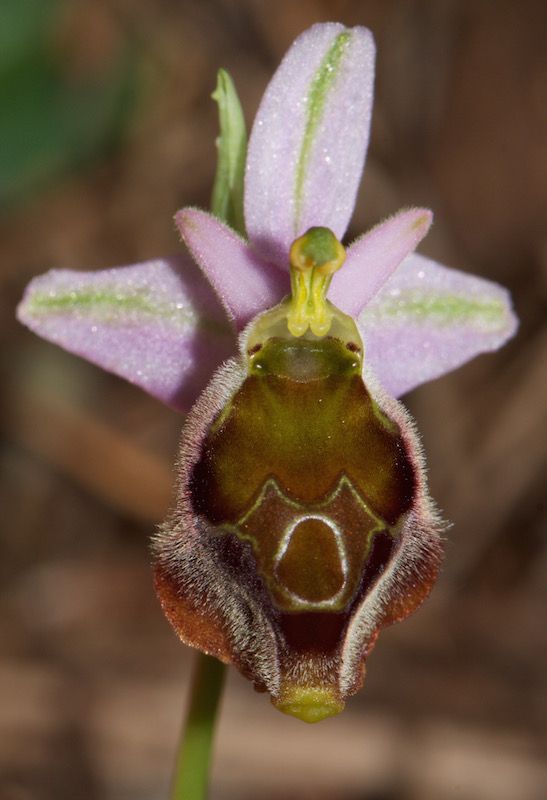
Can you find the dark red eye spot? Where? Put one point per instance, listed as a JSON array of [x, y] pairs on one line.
[[254, 349], [354, 348]]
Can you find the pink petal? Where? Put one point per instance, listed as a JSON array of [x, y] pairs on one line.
[[373, 257], [158, 324], [244, 282], [428, 319], [309, 139]]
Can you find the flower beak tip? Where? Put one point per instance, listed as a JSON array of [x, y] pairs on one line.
[[183, 221], [423, 222]]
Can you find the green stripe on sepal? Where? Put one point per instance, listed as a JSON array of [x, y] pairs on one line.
[[114, 308], [320, 86], [227, 199], [442, 310]]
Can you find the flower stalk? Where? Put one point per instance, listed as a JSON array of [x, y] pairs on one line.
[[191, 778]]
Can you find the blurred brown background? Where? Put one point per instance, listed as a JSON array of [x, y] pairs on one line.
[[109, 129]]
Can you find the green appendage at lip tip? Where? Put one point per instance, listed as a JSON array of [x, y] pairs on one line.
[[310, 704], [322, 82], [107, 306], [444, 310]]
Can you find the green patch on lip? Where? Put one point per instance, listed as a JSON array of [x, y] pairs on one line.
[[440, 309], [322, 82]]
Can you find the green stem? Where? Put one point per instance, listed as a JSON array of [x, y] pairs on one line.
[[191, 777]]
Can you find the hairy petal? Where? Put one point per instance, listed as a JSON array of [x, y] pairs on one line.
[[245, 283], [309, 139], [283, 568], [428, 319], [373, 257], [158, 324]]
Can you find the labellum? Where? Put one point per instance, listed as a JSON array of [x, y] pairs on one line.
[[302, 524]]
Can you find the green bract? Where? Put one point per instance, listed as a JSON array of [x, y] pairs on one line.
[[227, 200]]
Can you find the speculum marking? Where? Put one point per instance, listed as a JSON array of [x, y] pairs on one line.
[[314, 542], [310, 557]]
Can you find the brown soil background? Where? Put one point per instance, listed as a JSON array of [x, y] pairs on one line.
[[92, 681]]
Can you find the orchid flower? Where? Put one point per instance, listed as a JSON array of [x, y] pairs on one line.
[[303, 523]]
